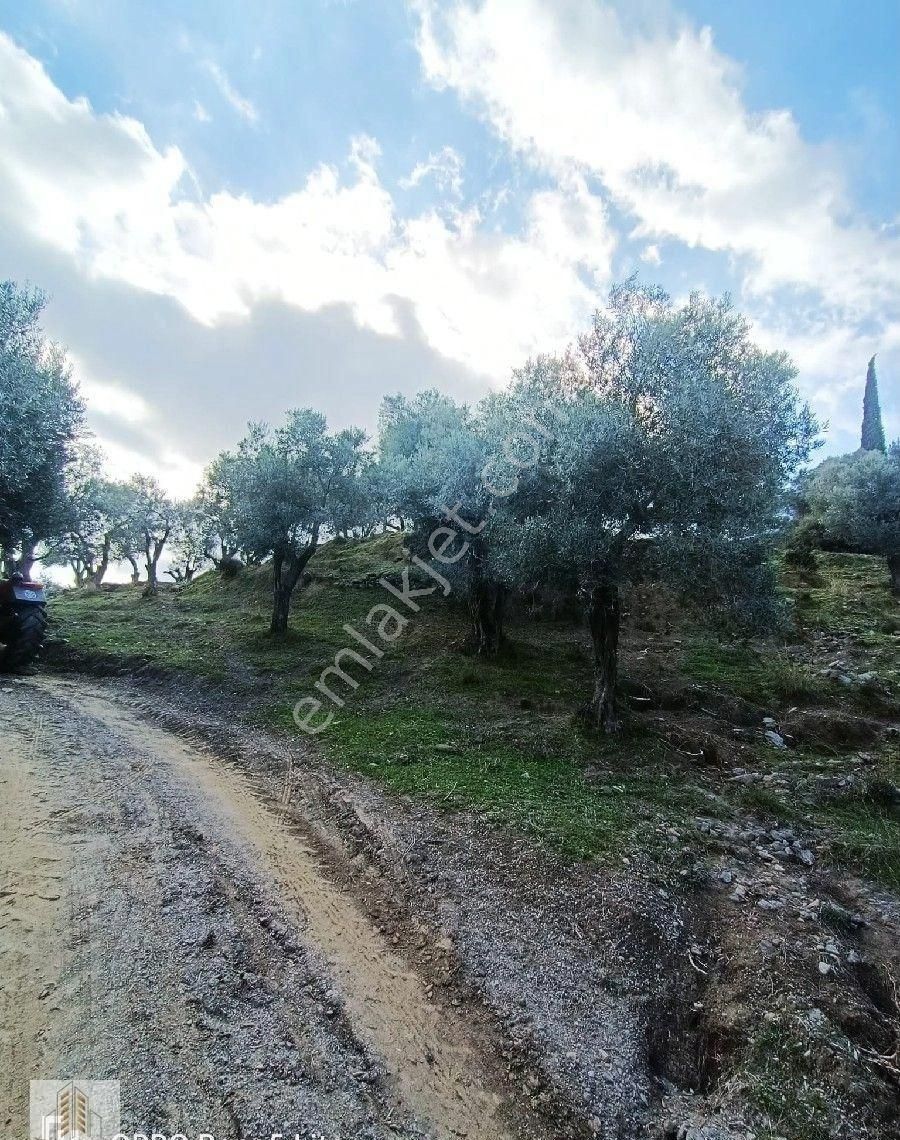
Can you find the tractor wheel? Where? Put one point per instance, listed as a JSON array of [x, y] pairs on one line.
[[26, 638]]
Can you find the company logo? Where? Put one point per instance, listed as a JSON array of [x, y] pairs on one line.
[[74, 1110]]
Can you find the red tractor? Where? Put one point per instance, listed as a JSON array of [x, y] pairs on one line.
[[23, 621]]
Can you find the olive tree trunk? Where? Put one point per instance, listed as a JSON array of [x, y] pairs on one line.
[[603, 615], [151, 586], [487, 602], [27, 561], [153, 548], [103, 565], [287, 569]]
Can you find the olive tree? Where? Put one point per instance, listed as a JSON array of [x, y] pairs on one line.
[[114, 504], [440, 461], [108, 521], [99, 515], [40, 418], [216, 501], [190, 542], [152, 519], [358, 512], [853, 502], [407, 430], [672, 442], [289, 487]]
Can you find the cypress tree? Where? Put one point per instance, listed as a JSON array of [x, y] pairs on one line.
[[872, 430]]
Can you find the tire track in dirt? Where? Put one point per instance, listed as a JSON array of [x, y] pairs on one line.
[[34, 909], [434, 1064]]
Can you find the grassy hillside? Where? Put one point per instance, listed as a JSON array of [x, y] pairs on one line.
[[776, 847], [500, 736]]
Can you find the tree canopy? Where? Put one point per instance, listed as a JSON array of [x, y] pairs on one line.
[[852, 502], [659, 445], [40, 420], [152, 520], [674, 437], [284, 487], [436, 455]]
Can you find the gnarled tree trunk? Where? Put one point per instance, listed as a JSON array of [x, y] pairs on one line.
[[151, 587], [603, 618], [286, 569], [285, 581], [153, 552], [103, 565], [487, 602]]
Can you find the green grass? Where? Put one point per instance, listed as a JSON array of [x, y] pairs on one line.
[[766, 677], [853, 598], [866, 835], [429, 753], [211, 627], [867, 839], [854, 602], [555, 670], [863, 821], [780, 1089], [351, 561], [517, 754]]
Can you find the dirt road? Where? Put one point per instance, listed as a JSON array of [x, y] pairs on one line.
[[254, 942], [160, 923]]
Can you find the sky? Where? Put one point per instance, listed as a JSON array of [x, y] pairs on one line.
[[240, 208]]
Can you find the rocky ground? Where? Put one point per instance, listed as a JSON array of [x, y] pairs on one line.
[[255, 941]]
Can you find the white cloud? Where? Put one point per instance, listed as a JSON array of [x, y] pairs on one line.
[[444, 166], [659, 117], [96, 187], [178, 476], [200, 113], [649, 115], [75, 180], [111, 400], [110, 407], [245, 109], [646, 104], [490, 299]]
